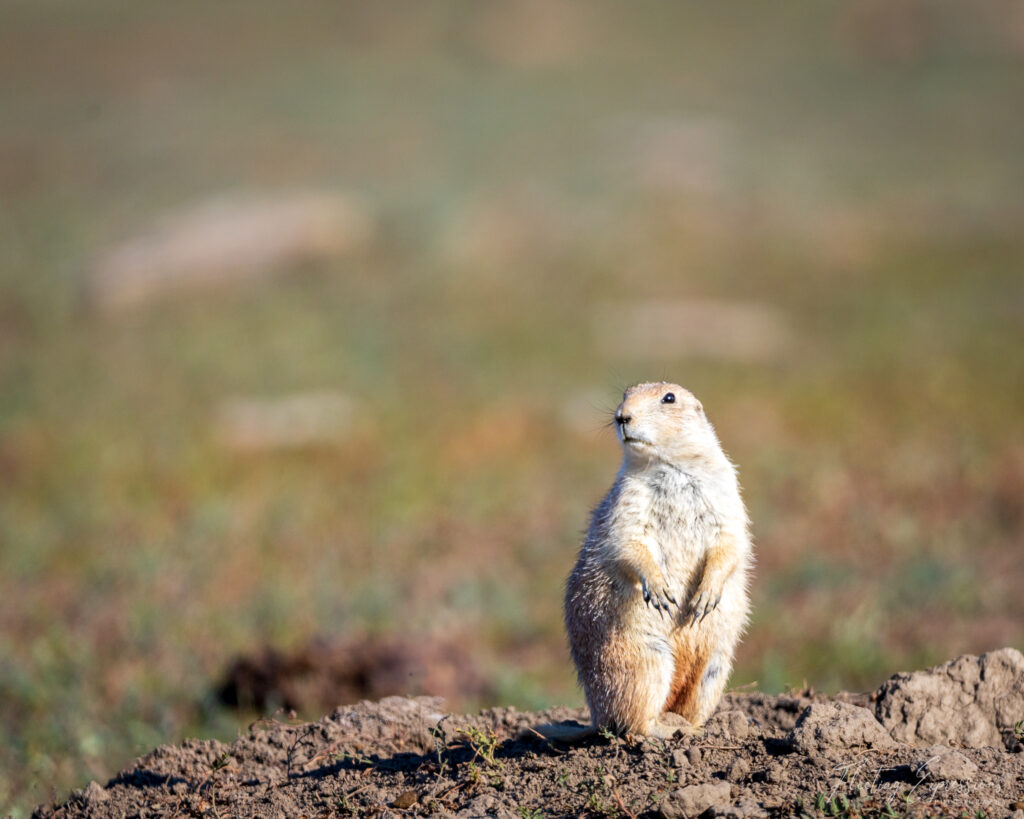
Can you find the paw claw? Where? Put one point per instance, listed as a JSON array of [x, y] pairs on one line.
[[703, 604], [658, 598]]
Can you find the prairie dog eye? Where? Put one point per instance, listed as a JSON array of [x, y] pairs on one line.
[[668, 398]]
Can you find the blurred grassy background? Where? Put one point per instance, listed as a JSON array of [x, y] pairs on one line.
[[550, 184]]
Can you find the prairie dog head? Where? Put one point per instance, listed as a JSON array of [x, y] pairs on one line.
[[665, 422]]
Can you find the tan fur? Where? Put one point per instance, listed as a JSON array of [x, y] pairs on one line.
[[658, 600]]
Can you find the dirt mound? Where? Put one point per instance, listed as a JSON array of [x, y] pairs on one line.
[[971, 701], [317, 676], [760, 756]]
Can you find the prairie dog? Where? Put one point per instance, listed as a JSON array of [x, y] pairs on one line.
[[658, 599]]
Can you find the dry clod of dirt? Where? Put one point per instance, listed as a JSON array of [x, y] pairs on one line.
[[93, 793], [761, 756], [745, 808], [943, 764], [728, 725], [833, 729], [738, 770], [970, 701], [693, 800]]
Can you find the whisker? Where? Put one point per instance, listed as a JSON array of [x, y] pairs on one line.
[[605, 411]]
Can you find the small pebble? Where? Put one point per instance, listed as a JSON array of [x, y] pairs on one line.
[[776, 775], [406, 800], [738, 770], [737, 724]]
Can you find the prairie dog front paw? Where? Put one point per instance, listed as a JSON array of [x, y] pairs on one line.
[[657, 593], [703, 603]]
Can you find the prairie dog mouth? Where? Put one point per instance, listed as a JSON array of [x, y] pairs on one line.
[[633, 440]]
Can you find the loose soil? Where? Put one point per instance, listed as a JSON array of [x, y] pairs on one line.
[[930, 743]]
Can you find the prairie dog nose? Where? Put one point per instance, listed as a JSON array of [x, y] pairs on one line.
[[622, 418]]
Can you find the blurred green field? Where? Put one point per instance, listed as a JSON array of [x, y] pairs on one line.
[[539, 174]]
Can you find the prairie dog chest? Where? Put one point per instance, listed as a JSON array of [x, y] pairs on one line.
[[671, 511]]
